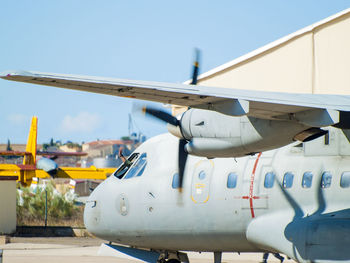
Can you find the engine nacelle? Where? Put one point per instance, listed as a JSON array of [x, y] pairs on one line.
[[212, 134]]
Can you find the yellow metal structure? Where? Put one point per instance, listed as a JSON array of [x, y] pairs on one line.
[[62, 172], [78, 173], [26, 175], [28, 170], [10, 170]]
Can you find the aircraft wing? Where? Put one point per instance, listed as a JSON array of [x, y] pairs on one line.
[[14, 153], [56, 154], [62, 172], [61, 154], [260, 104], [78, 173]]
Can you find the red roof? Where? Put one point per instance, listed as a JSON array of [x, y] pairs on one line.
[[109, 142]]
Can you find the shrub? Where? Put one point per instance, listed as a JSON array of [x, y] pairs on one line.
[[31, 206]]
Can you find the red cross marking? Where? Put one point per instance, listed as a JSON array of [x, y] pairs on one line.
[[250, 197]]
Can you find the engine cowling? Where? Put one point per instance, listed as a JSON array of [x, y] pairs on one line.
[[213, 134]]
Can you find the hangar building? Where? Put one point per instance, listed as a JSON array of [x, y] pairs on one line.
[[315, 59]]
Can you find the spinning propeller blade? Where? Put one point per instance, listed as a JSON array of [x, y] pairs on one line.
[[182, 161], [161, 115], [195, 67], [170, 119]]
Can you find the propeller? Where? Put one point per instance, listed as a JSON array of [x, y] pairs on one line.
[[161, 115], [172, 120], [182, 162], [195, 67]]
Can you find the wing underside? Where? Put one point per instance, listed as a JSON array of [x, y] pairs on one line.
[[267, 105]]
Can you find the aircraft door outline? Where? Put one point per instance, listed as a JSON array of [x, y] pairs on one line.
[[200, 189]]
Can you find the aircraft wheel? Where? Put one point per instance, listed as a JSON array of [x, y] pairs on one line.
[[173, 260]]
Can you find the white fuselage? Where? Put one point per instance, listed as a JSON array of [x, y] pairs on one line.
[[256, 214]]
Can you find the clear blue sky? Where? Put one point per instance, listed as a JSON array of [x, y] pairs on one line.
[[145, 40]]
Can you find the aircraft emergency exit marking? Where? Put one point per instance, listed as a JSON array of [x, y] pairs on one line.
[[251, 196]]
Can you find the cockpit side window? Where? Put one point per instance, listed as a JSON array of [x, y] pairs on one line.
[[138, 167], [124, 168]]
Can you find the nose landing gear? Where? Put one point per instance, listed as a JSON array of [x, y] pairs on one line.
[[173, 257], [217, 257], [182, 257]]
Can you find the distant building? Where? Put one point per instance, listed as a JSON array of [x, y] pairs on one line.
[[69, 149], [105, 153], [109, 148], [14, 147]]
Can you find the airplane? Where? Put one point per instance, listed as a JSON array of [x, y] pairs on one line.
[[176, 199], [293, 200], [46, 167]]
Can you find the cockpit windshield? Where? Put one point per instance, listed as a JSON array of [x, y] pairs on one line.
[[123, 169], [133, 166], [138, 168]]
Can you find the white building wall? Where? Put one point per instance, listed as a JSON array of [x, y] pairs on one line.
[[7, 206]]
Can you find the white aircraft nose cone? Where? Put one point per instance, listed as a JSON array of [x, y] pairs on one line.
[[92, 212], [104, 206], [92, 215]]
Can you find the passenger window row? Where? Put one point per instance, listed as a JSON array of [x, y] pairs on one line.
[[326, 180], [287, 182]]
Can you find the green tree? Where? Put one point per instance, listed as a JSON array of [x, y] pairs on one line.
[[8, 148]]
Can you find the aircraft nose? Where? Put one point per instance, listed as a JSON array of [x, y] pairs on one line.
[[99, 209], [92, 211]]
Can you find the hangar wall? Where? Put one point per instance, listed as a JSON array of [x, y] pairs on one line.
[[287, 67], [315, 59], [332, 56]]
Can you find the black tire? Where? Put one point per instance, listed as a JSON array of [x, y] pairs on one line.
[[173, 260]]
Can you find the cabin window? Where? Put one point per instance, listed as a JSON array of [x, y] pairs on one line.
[[138, 168], [269, 179], [124, 168], [176, 181], [307, 180], [326, 180], [345, 180], [202, 175], [288, 180], [232, 180]]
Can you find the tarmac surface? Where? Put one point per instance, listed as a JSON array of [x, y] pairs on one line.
[[86, 250]]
